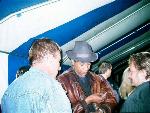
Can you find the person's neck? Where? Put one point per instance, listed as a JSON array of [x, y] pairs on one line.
[[80, 75], [42, 67], [143, 81], [104, 75]]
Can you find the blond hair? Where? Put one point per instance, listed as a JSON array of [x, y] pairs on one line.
[[125, 88]]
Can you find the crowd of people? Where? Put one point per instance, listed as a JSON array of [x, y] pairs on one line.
[[39, 89]]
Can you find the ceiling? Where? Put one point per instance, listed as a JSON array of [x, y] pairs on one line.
[[8, 7]]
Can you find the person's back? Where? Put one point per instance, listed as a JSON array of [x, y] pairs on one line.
[[37, 91], [105, 70]]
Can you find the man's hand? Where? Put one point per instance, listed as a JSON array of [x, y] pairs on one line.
[[95, 98]]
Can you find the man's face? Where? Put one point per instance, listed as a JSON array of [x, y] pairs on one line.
[[136, 76], [81, 68], [109, 73]]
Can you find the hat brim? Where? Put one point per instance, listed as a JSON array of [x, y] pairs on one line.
[[91, 58]]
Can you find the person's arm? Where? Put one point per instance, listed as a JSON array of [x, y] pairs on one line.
[[109, 103], [78, 106]]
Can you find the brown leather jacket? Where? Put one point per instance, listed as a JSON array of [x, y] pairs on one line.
[[70, 83]]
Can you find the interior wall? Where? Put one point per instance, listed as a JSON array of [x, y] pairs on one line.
[[3, 73]]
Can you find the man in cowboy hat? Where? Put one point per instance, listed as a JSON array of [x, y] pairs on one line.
[[87, 91]]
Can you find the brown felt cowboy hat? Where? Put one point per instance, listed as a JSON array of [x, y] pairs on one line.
[[83, 52]]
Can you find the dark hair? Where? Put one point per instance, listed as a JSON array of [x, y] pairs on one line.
[[22, 70], [41, 48], [141, 61], [104, 66]]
